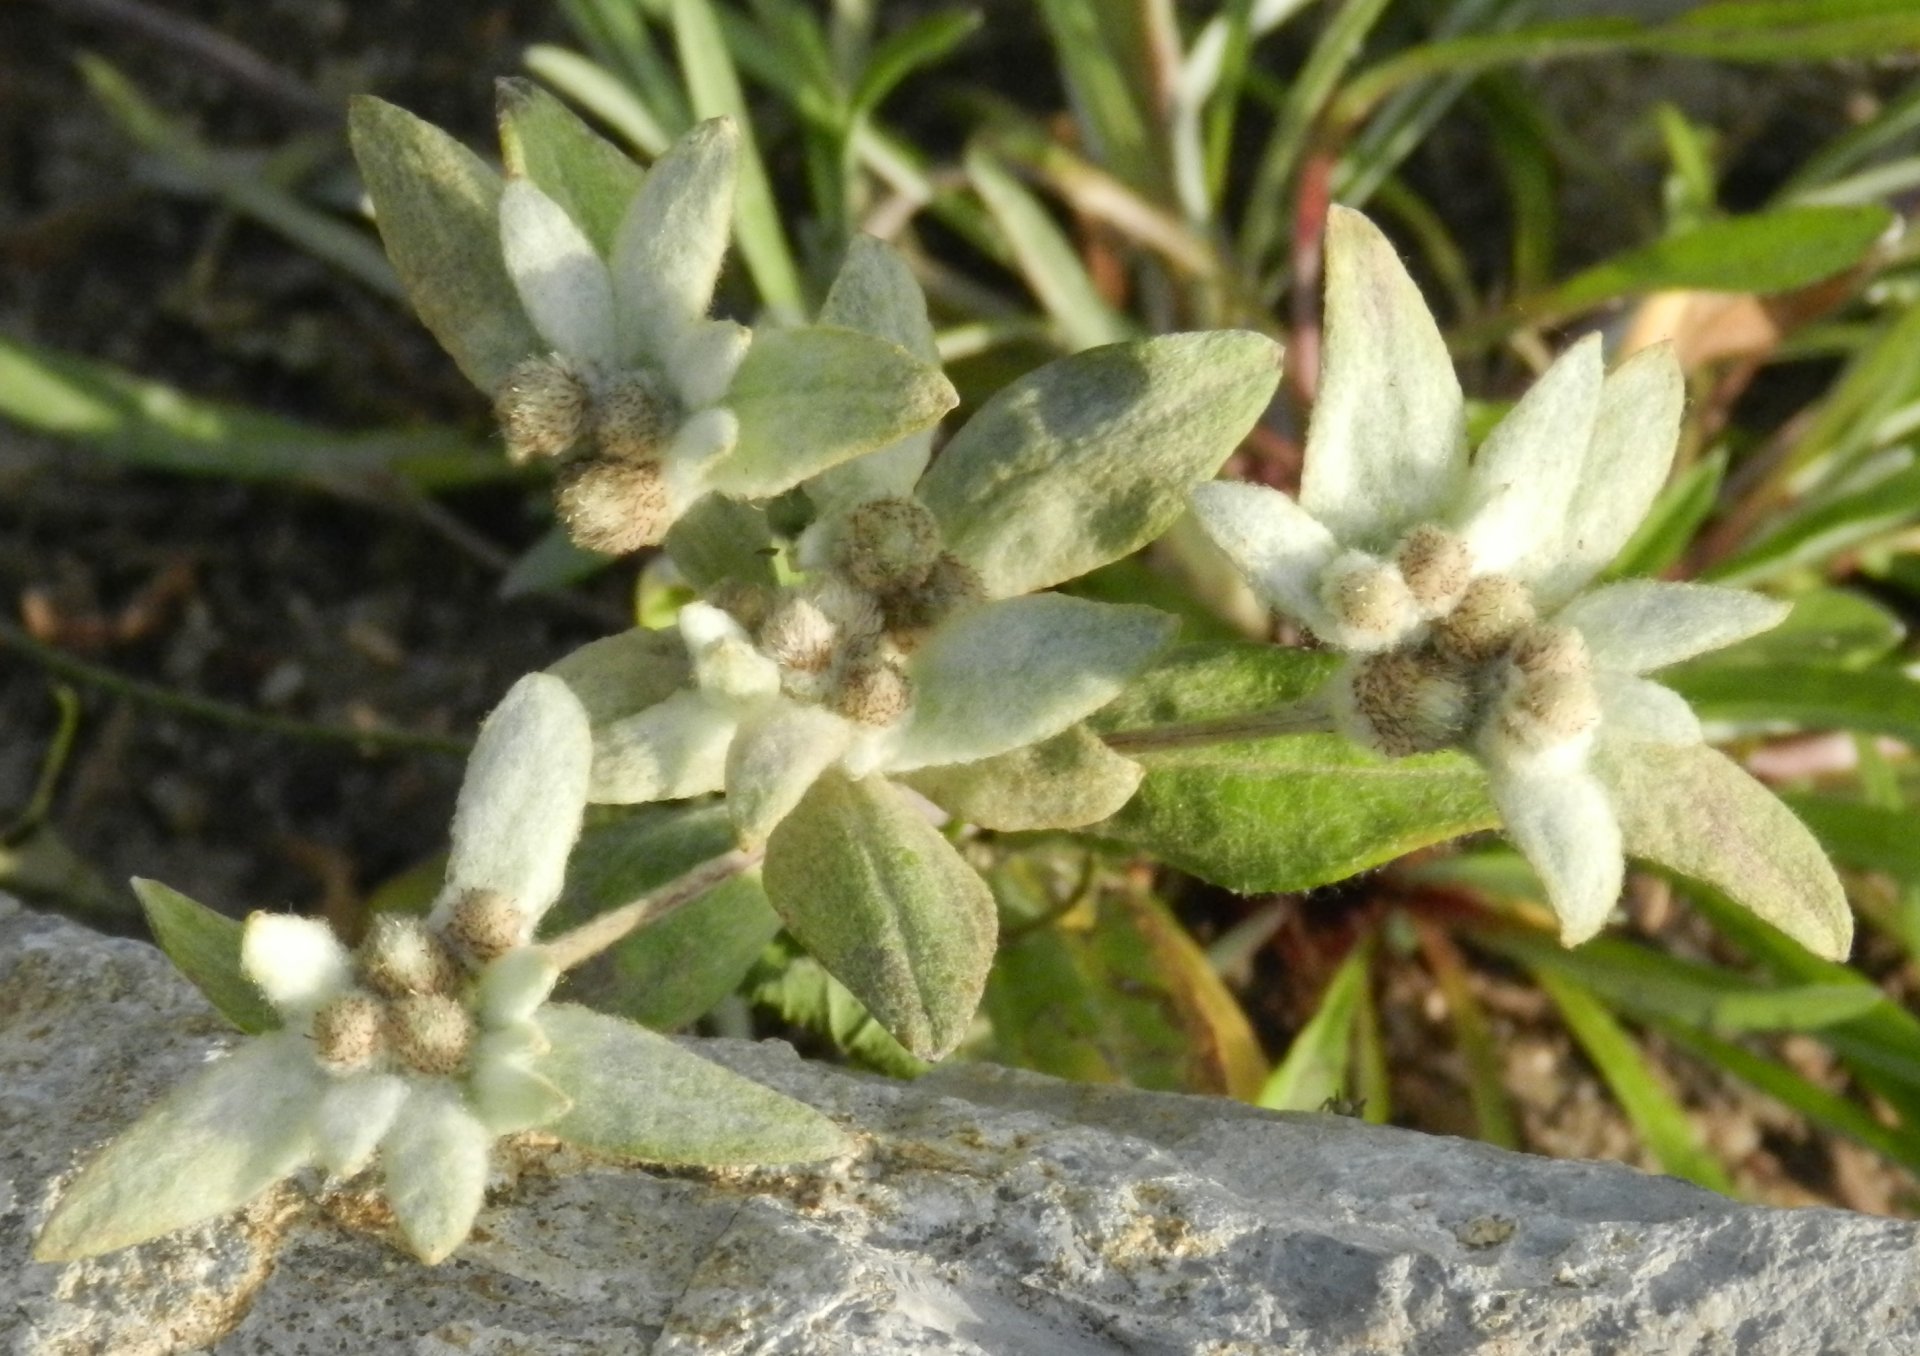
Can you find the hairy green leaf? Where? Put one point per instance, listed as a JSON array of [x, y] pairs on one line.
[[1693, 810], [1297, 811], [874, 891], [542, 140], [1115, 991], [810, 398], [1064, 782], [437, 205], [1093, 456], [205, 946], [637, 1094], [673, 971], [213, 1144], [799, 989]]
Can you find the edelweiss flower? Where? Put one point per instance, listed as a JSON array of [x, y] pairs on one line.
[[637, 371], [1454, 584], [417, 1046], [894, 665]]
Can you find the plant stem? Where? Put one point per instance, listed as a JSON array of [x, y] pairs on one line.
[[1304, 717], [588, 940], [205, 708]]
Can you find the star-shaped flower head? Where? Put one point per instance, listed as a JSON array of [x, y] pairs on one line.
[[913, 654], [576, 294], [637, 373], [417, 1046], [1458, 585]]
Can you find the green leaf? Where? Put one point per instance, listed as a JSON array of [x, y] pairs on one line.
[[1878, 700], [799, 989], [1297, 811], [907, 49], [673, 971], [721, 539], [1763, 253], [1115, 991], [213, 1144], [150, 424], [1073, 657], [1213, 680], [1047, 259], [1661, 1121], [1650, 984], [1064, 782], [1882, 1046], [437, 205], [205, 947], [639, 1095], [542, 140], [1814, 1102], [1315, 1067], [1693, 810], [1093, 456], [811, 397], [1134, 580], [714, 87], [873, 890], [1868, 837], [1817, 532]]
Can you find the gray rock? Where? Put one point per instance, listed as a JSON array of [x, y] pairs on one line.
[[986, 1211]]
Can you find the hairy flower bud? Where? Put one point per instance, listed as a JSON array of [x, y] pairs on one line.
[[1436, 566], [1408, 701], [1369, 599], [402, 955], [797, 634], [1491, 612], [613, 506], [431, 1033], [483, 926], [634, 417], [873, 690], [1557, 651], [887, 544], [542, 407], [1547, 697], [853, 610], [950, 587], [350, 1032]]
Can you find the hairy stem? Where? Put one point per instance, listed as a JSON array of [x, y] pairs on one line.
[[588, 940], [1304, 717]]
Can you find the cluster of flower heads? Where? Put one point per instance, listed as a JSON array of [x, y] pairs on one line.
[[629, 397], [421, 1046], [1458, 588], [1455, 587], [842, 636]]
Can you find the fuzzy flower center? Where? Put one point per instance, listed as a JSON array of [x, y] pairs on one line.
[[414, 1009], [842, 639], [609, 431], [1443, 658]]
